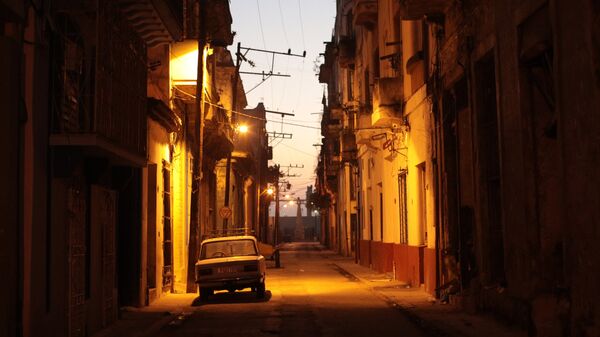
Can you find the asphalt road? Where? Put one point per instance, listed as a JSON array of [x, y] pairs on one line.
[[309, 296]]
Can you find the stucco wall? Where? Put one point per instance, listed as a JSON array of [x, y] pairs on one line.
[[158, 151]]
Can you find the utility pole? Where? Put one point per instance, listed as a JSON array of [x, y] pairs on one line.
[[234, 85], [238, 60], [196, 199], [276, 227], [275, 134], [289, 167]]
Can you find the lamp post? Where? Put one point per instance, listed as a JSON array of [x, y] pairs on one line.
[[234, 85], [276, 227], [241, 129], [196, 195]]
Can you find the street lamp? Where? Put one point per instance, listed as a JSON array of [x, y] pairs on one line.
[[243, 128]]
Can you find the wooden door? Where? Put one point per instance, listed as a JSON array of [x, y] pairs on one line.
[[104, 206], [76, 208]]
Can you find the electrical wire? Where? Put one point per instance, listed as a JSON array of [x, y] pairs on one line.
[[301, 24], [303, 60], [283, 25], [287, 67], [299, 151], [300, 86], [294, 124], [262, 33], [249, 116]]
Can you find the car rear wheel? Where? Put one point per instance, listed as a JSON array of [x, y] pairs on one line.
[[260, 290]]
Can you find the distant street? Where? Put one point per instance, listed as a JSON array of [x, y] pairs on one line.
[[309, 296]]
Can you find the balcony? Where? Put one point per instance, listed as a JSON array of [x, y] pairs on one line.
[[112, 121], [326, 69], [218, 136], [387, 102], [365, 13], [417, 9], [337, 113], [167, 118], [333, 127], [346, 51], [348, 146], [334, 165], [325, 73], [155, 21]]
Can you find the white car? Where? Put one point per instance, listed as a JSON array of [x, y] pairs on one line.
[[230, 263]]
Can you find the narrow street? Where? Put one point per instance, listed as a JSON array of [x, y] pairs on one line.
[[365, 167], [310, 296]]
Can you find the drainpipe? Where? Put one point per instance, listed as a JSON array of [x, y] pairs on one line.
[[196, 199], [436, 83], [276, 224], [235, 80]]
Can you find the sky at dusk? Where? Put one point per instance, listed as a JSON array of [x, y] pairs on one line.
[[279, 25]]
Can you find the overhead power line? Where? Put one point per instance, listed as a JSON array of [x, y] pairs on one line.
[[294, 124]]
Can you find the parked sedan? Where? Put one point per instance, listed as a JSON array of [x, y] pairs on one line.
[[230, 263]]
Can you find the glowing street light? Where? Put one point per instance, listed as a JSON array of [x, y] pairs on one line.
[[270, 191], [243, 128]]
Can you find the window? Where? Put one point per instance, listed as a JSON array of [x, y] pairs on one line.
[[381, 216], [350, 84], [489, 164], [217, 249], [370, 223], [367, 88], [402, 207], [353, 179], [151, 223], [422, 183], [167, 234], [349, 24]]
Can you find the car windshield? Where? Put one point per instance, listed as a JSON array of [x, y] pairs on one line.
[[216, 249]]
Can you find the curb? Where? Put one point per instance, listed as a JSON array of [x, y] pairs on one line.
[[158, 325], [431, 329], [154, 327]]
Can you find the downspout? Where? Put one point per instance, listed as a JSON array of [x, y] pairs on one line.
[[196, 198], [20, 304], [228, 166], [436, 83], [458, 190]]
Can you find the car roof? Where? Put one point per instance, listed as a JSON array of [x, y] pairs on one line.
[[230, 238]]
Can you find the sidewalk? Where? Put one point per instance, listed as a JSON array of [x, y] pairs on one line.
[[444, 320], [138, 322]]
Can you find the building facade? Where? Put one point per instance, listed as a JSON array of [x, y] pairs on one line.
[[102, 139], [470, 121], [378, 141]]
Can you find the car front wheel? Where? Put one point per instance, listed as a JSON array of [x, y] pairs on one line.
[[260, 290], [205, 293]]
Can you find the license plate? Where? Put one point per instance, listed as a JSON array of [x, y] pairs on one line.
[[227, 270]]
